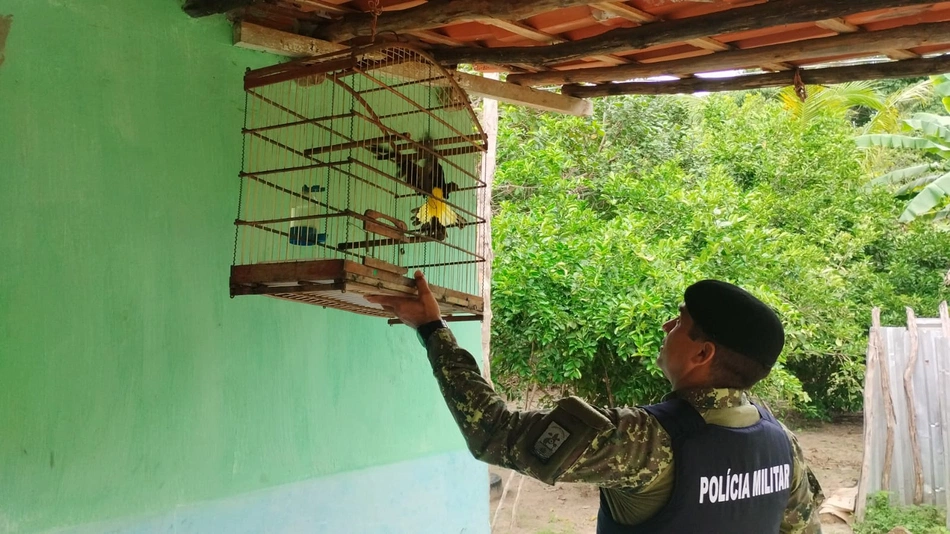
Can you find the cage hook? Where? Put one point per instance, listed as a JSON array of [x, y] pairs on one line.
[[800, 88], [376, 10]]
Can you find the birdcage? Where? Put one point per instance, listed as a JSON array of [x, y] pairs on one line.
[[360, 167]]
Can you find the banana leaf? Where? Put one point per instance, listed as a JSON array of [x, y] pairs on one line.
[[900, 141], [902, 175], [920, 182], [928, 199]]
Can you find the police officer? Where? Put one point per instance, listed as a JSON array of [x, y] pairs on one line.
[[705, 460]]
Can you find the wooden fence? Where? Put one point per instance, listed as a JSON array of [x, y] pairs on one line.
[[907, 412]]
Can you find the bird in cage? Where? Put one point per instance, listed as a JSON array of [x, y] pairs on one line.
[[435, 216], [419, 169], [423, 171]]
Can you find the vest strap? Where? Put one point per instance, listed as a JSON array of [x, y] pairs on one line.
[[678, 418]]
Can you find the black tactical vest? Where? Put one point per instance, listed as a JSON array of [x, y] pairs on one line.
[[727, 480]]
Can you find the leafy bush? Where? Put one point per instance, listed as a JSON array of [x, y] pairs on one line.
[[881, 517], [601, 223]]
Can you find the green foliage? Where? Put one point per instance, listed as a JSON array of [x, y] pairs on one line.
[[919, 148], [838, 101], [929, 181], [881, 517], [942, 89], [601, 223]]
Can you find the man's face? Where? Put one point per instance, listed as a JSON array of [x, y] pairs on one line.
[[678, 347]]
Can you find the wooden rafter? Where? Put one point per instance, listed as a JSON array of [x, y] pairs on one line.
[[203, 8], [777, 66], [642, 17], [850, 43], [770, 14], [435, 13], [841, 26], [837, 25], [253, 36], [329, 7], [256, 37], [522, 29], [901, 54], [512, 94], [708, 43], [874, 71], [435, 37], [625, 11]]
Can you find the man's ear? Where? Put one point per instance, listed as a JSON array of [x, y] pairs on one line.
[[706, 353]]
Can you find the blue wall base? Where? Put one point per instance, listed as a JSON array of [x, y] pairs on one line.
[[442, 494]]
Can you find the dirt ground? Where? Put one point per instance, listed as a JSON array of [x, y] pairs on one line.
[[832, 450]]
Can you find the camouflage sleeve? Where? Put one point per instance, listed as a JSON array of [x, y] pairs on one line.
[[574, 442], [801, 514]]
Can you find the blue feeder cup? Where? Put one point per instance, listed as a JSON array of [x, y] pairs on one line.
[[304, 232]]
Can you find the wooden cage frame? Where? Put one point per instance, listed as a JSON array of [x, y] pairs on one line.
[[344, 283]]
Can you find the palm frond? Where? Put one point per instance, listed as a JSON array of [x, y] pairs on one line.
[[888, 116], [918, 93], [836, 100]]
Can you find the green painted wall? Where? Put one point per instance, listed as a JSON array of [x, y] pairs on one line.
[[129, 381]]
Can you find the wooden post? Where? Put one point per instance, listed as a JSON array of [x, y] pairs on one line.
[[942, 365], [911, 408], [888, 401], [870, 392], [489, 121], [945, 320]]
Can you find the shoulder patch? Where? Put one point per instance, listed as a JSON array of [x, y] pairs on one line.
[[585, 413], [550, 441]]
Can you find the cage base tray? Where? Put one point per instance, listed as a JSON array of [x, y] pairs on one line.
[[341, 284]]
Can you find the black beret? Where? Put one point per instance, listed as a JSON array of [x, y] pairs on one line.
[[733, 318]]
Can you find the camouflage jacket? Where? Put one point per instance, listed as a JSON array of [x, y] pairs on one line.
[[625, 451]]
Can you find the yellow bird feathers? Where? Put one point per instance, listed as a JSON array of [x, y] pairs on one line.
[[435, 215]]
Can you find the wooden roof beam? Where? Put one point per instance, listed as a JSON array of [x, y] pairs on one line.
[[264, 39], [875, 71], [777, 66], [708, 43], [324, 7], [869, 43], [837, 25], [255, 37], [519, 28], [514, 94], [203, 8], [642, 17], [435, 13], [626, 12], [898, 54], [434, 37], [759, 16]]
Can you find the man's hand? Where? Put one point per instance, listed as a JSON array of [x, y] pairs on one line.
[[412, 311]]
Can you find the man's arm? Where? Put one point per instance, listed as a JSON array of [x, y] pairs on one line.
[[801, 514], [574, 442]]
